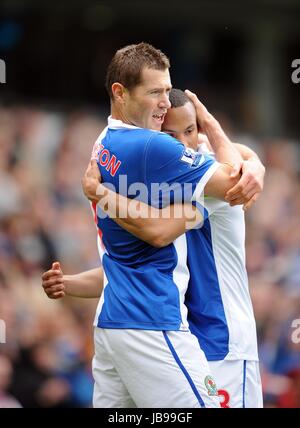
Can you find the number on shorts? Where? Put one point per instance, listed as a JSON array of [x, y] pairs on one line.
[[226, 397]]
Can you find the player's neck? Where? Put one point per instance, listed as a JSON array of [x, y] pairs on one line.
[[118, 114]]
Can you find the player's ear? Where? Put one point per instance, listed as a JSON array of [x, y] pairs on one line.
[[119, 92]]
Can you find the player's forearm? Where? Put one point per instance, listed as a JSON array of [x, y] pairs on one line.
[[225, 151], [246, 152], [157, 227], [132, 215], [170, 222], [220, 182], [86, 284]]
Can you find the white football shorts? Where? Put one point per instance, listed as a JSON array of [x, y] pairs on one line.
[[151, 369], [239, 383]]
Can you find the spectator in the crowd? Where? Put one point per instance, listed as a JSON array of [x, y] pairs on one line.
[[6, 370]]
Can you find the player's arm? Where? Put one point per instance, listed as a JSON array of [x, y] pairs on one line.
[[221, 182], [227, 175], [248, 166], [157, 227], [86, 284], [238, 185], [252, 173], [160, 227], [251, 183], [225, 151], [246, 153]]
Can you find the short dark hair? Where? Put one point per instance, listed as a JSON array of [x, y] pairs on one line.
[[178, 98], [128, 62]]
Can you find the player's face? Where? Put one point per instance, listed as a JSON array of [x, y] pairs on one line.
[[146, 104], [181, 123]]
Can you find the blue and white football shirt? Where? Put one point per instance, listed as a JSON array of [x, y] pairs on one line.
[[219, 306], [144, 287]]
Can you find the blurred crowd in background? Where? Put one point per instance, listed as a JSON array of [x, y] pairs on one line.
[[44, 217], [237, 57], [46, 360]]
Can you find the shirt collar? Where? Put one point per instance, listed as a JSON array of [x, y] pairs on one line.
[[117, 124]]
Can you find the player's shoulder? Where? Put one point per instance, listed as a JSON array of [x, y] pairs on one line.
[[155, 136], [166, 138], [164, 143], [140, 135]]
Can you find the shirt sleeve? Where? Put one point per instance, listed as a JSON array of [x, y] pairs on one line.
[[174, 173], [98, 146]]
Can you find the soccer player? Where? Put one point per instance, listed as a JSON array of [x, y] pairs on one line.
[[220, 311], [144, 350], [142, 330], [181, 122]]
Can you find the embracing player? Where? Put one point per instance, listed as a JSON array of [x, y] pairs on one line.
[[218, 301]]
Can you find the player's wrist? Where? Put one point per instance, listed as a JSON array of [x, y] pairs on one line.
[[67, 281], [255, 162], [252, 158]]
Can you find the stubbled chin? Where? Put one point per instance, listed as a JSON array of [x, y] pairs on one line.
[[156, 125]]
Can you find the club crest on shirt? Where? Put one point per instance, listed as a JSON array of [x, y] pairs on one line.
[[191, 157], [210, 385]]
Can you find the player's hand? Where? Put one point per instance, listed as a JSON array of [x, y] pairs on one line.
[[91, 181], [250, 186], [203, 115], [53, 282], [202, 139]]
